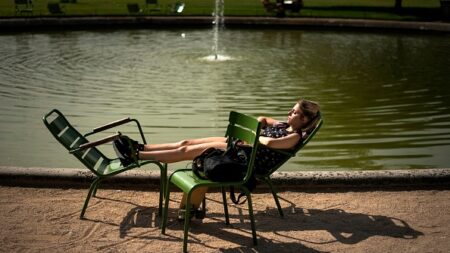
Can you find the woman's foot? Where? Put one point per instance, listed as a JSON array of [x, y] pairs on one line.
[[198, 214]]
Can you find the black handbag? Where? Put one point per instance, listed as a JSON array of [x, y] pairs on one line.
[[225, 166], [221, 166]]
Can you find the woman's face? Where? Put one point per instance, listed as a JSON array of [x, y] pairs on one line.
[[296, 119]]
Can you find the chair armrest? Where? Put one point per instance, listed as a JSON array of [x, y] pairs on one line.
[[118, 123], [111, 125], [96, 142]]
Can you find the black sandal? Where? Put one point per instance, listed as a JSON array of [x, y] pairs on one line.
[[127, 150]]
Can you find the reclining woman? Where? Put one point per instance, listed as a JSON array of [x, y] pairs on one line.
[[274, 135]]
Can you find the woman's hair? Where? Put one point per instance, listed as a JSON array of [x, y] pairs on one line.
[[309, 108]]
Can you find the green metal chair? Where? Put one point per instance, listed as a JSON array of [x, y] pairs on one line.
[[100, 165], [55, 9], [310, 133], [24, 6], [240, 127]]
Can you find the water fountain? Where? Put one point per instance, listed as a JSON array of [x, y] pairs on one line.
[[218, 24]]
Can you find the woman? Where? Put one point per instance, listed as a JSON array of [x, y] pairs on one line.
[[287, 137], [274, 135]]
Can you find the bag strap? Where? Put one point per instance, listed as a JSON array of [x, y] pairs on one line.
[[196, 170], [233, 197], [251, 183], [197, 163]]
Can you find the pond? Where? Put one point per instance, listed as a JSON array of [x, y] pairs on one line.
[[385, 97]]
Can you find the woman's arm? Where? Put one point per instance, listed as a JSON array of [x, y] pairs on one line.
[[266, 121], [285, 142]]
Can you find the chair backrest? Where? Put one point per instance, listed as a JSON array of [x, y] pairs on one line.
[[244, 128], [291, 153], [71, 139], [310, 134]]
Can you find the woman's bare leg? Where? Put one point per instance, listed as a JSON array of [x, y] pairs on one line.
[[197, 197], [183, 153], [175, 145]]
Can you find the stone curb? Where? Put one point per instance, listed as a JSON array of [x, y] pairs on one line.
[[144, 179], [31, 23]]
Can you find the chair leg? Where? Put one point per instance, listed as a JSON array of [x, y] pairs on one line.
[[165, 211], [250, 213], [187, 220], [92, 188], [162, 188], [94, 192], [275, 196], [225, 206]]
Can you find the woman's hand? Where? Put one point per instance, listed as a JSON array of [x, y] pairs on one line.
[[266, 121], [263, 121]]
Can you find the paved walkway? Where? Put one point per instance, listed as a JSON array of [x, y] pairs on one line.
[[340, 220], [366, 211]]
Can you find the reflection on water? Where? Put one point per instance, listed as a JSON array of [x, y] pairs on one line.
[[385, 97], [217, 58]]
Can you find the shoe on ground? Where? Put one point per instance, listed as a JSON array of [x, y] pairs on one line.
[[198, 214]]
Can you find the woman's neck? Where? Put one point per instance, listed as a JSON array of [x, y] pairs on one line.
[[292, 129]]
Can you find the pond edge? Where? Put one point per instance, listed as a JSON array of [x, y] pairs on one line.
[[103, 22], [150, 178]]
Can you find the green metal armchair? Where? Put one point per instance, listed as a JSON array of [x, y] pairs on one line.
[[87, 153], [240, 127]]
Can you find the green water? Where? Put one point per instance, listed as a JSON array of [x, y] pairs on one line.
[[384, 97]]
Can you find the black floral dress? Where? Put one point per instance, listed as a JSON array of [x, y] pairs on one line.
[[267, 158]]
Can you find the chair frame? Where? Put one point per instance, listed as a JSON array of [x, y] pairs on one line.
[[288, 154], [240, 127], [87, 153]]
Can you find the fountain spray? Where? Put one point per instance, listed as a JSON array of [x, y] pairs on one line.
[[217, 22]]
